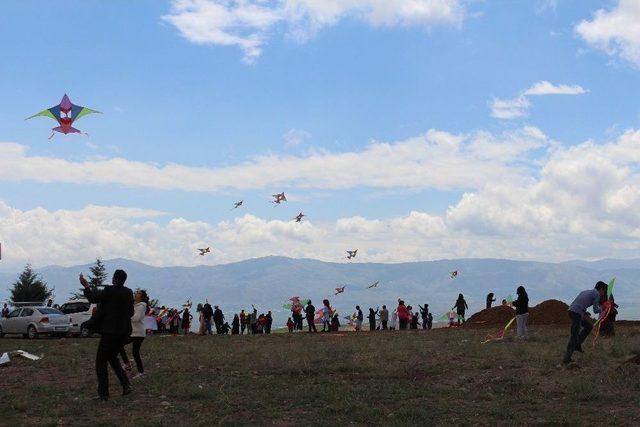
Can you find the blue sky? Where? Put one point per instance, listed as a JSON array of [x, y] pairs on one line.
[[349, 83]]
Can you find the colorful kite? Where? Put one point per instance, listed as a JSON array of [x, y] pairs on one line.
[[279, 198], [454, 274], [500, 335], [607, 308], [204, 251], [299, 217], [352, 254], [66, 114], [340, 290]]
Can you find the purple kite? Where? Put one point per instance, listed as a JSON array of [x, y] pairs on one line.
[[65, 113]]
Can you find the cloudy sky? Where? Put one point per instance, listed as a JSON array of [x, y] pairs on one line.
[[409, 129]]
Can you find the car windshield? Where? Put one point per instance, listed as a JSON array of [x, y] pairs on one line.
[[50, 311]]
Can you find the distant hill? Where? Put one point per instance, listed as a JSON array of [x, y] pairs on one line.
[[269, 282]]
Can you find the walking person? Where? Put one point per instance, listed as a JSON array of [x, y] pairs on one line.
[[310, 311], [138, 333], [372, 319], [113, 321], [522, 312], [461, 307], [581, 323], [384, 317]]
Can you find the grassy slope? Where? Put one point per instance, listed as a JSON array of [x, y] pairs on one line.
[[442, 376]]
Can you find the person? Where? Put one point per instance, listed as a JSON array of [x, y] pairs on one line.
[[430, 321], [310, 311], [326, 315], [269, 321], [218, 319], [243, 322], [403, 315], [207, 311], [186, 321], [522, 311], [461, 307], [203, 327], [290, 325], [607, 326], [297, 315], [581, 323], [384, 317], [261, 323], [490, 300], [141, 299], [359, 318], [372, 319], [49, 303], [235, 325], [394, 320], [335, 323], [113, 321], [424, 313], [5, 311], [253, 320], [414, 321], [504, 303]]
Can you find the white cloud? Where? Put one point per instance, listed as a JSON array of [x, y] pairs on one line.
[[518, 107], [248, 23], [435, 160], [295, 137], [615, 31]]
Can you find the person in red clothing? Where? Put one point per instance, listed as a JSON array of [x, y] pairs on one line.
[[243, 322], [403, 315], [290, 324]]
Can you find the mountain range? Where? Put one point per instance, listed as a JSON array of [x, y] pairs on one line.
[[269, 282]]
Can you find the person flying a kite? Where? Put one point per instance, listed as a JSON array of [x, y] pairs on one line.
[[352, 254], [279, 198], [299, 217], [66, 114], [340, 290], [204, 251]]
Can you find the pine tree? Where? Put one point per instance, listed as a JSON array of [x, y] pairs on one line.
[[97, 278], [30, 288]]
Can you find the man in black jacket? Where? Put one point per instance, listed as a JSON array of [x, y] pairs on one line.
[[310, 312], [113, 322], [218, 319], [207, 312]]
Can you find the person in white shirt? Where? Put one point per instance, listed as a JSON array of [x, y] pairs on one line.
[[138, 332]]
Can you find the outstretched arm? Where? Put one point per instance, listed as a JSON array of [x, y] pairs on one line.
[[93, 295]]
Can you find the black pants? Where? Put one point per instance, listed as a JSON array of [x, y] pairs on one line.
[[424, 323], [384, 324], [372, 325], [108, 349], [577, 336], [312, 325], [137, 343], [403, 324], [218, 327]]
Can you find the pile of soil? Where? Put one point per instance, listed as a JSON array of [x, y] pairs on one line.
[[550, 312]]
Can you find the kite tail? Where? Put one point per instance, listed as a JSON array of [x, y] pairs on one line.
[[53, 133]]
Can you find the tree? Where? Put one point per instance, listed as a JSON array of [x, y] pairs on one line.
[[30, 288], [97, 278]]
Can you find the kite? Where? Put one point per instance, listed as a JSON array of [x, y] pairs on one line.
[[500, 335], [607, 308], [204, 251], [299, 217], [454, 274], [340, 290], [279, 198], [352, 254], [373, 285], [236, 205], [509, 299], [66, 114]]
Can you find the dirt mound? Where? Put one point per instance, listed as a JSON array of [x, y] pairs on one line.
[[550, 312]]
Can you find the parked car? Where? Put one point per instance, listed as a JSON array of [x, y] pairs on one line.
[[32, 321], [78, 311]]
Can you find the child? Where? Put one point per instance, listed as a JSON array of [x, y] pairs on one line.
[[335, 323], [414, 321], [186, 321], [452, 319], [290, 325]]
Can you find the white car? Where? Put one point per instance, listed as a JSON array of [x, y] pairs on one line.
[[32, 321], [78, 311]]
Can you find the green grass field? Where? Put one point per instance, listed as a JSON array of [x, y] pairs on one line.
[[395, 378]]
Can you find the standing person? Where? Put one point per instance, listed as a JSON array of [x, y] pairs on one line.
[[384, 317], [403, 315], [297, 314], [359, 318], [218, 319], [49, 303], [113, 321], [424, 312], [522, 311], [235, 325], [394, 320], [310, 312], [138, 333], [326, 315], [414, 320], [243, 322], [202, 330], [5, 310], [580, 318], [207, 311], [290, 325], [186, 321], [269, 319], [430, 321], [335, 323], [490, 300], [253, 320], [372, 319], [461, 307]]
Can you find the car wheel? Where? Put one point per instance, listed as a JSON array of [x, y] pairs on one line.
[[32, 333], [85, 333]]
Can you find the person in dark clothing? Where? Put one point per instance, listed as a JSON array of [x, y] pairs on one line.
[[414, 321], [521, 305], [384, 317], [461, 307], [372, 319], [310, 311], [235, 325], [581, 322], [335, 323], [207, 312], [269, 322], [218, 319], [113, 322], [430, 321], [424, 313], [359, 318], [490, 300], [5, 311]]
